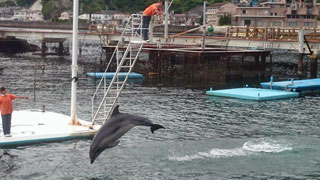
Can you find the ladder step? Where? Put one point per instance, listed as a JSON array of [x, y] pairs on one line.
[[118, 82], [100, 119], [126, 66], [138, 42], [123, 74]]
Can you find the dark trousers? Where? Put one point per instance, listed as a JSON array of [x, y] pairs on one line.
[[145, 27], [6, 123]]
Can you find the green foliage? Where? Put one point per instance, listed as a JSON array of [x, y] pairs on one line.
[[25, 3], [180, 6], [225, 20], [49, 9], [91, 6], [7, 4]]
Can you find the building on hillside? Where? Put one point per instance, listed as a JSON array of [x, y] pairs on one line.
[[34, 15], [84, 17], [198, 10], [103, 17], [179, 19], [64, 16], [259, 17], [120, 18], [35, 12], [217, 10], [19, 15], [278, 13], [302, 14], [5, 14]]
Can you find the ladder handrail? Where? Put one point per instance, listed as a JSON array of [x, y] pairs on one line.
[[114, 78], [120, 62], [112, 81], [114, 52]]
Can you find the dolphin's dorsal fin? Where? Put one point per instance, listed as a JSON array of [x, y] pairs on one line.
[[115, 111]]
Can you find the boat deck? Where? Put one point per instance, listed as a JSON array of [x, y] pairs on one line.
[[30, 127], [253, 94]]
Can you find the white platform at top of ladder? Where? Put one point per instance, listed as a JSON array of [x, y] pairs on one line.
[[29, 127], [138, 42]]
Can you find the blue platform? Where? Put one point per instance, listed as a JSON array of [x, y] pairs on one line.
[[253, 94], [109, 75], [307, 85]]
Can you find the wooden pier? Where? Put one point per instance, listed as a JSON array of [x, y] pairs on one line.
[[194, 64]]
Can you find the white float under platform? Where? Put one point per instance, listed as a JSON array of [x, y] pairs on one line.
[[252, 94], [31, 127]]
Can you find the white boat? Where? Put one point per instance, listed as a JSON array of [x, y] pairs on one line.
[[29, 127]]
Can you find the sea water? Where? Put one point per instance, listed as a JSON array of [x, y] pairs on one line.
[[205, 137]]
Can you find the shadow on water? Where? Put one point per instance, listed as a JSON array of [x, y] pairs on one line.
[[7, 162]]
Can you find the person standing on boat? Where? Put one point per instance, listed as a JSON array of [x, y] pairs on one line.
[[153, 9], [7, 109]]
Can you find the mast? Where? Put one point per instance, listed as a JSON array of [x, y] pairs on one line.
[[74, 66]]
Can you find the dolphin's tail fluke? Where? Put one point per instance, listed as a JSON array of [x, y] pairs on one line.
[[155, 127]]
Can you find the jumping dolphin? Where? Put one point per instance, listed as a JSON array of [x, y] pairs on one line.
[[116, 126]]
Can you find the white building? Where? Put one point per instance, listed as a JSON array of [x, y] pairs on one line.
[[84, 17], [20, 15], [64, 16], [35, 12]]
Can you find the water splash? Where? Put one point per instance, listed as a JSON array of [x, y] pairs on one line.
[[263, 145]]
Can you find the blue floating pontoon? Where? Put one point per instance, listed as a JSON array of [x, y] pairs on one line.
[[109, 75], [307, 85], [252, 94]]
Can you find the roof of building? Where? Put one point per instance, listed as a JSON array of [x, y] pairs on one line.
[[217, 5]]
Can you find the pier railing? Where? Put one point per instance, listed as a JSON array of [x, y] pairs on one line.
[[271, 33]]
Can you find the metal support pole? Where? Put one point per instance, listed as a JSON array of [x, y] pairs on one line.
[[301, 52], [166, 21], [204, 27], [74, 66]]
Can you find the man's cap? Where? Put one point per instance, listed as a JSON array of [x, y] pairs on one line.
[[2, 89]]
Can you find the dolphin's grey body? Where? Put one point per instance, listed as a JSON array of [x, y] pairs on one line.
[[116, 126]]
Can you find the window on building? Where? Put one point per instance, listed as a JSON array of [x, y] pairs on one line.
[[276, 24], [244, 11], [308, 24], [247, 22], [292, 24]]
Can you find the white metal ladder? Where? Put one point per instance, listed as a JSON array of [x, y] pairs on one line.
[[125, 61]]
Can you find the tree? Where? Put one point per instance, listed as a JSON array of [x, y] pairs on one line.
[[225, 20], [25, 3]]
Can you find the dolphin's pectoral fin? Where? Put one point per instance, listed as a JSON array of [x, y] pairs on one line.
[[115, 110], [113, 144], [154, 127]]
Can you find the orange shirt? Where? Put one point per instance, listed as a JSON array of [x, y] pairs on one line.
[[152, 9], [6, 103]]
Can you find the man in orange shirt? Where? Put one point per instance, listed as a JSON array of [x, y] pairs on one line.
[[7, 109], [150, 11]]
